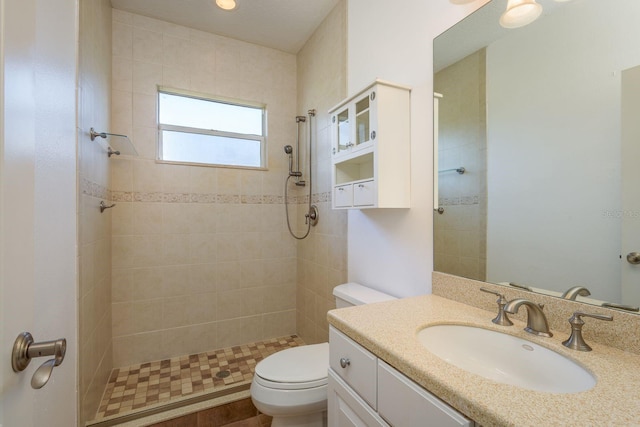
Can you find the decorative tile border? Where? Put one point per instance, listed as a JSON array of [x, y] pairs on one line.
[[93, 189], [158, 197], [96, 190]]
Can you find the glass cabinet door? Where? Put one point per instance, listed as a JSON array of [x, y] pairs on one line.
[[362, 121], [344, 131]]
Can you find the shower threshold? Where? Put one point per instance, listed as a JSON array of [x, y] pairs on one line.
[[149, 388]]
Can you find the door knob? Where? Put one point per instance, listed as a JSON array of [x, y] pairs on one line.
[[25, 349], [633, 257]]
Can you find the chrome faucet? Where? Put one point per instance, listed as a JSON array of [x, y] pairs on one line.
[[536, 320], [573, 292]]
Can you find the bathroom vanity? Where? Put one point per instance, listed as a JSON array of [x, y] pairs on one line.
[[363, 389], [382, 375]]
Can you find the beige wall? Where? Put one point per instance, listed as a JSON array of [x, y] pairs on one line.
[[322, 257], [94, 80], [201, 255], [460, 233]]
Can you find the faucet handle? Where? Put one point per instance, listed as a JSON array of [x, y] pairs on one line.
[[501, 318], [575, 341]]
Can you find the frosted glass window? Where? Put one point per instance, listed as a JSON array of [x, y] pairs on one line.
[[197, 129], [211, 149]]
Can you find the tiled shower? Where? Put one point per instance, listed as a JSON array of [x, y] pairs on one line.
[[460, 231], [193, 259]]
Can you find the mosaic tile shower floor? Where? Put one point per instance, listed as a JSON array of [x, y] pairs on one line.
[[138, 387]]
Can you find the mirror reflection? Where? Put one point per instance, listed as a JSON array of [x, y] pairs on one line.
[[544, 119]]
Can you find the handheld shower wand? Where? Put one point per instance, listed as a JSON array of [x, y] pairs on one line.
[[311, 217], [289, 150]]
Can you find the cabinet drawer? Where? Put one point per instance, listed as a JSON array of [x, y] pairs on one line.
[[364, 193], [346, 408], [343, 195], [360, 365], [404, 403]]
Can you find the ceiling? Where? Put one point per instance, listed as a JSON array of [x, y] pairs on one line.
[[280, 24]]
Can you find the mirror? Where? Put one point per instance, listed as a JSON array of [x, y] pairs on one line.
[[545, 122]]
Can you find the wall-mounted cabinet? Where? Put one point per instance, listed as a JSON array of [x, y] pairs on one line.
[[370, 135]]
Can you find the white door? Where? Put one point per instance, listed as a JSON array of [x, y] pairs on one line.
[[630, 184], [38, 204]]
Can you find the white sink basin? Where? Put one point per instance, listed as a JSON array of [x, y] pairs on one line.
[[506, 359]]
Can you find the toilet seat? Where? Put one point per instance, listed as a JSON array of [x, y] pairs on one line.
[[295, 368], [289, 386]]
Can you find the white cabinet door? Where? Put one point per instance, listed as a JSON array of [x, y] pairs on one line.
[[364, 112], [346, 408], [403, 403], [341, 131]]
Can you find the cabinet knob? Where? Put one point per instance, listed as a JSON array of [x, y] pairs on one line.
[[373, 134], [344, 362], [360, 185], [341, 189]]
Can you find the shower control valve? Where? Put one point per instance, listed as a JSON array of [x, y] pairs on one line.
[[312, 215]]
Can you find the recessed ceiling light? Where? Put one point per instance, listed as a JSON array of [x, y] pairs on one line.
[[226, 4]]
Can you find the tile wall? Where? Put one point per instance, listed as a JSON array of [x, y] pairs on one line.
[[460, 233], [322, 257], [201, 255], [94, 256]]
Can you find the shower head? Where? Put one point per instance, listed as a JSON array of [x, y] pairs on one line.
[[288, 149]]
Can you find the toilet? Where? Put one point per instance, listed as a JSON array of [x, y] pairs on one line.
[[291, 385]]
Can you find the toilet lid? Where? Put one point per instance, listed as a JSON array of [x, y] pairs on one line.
[[302, 364]]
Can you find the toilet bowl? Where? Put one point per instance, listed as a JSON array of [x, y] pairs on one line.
[[291, 385]]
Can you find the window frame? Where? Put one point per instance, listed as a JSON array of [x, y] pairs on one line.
[[262, 139]]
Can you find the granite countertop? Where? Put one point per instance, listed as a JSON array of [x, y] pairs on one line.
[[389, 329]]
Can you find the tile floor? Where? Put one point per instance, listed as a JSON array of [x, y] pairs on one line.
[[137, 387], [241, 413]]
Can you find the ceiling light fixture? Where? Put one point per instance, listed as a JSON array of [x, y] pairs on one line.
[[520, 13], [226, 4]]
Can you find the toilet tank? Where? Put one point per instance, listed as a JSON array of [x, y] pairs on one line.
[[350, 294]]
